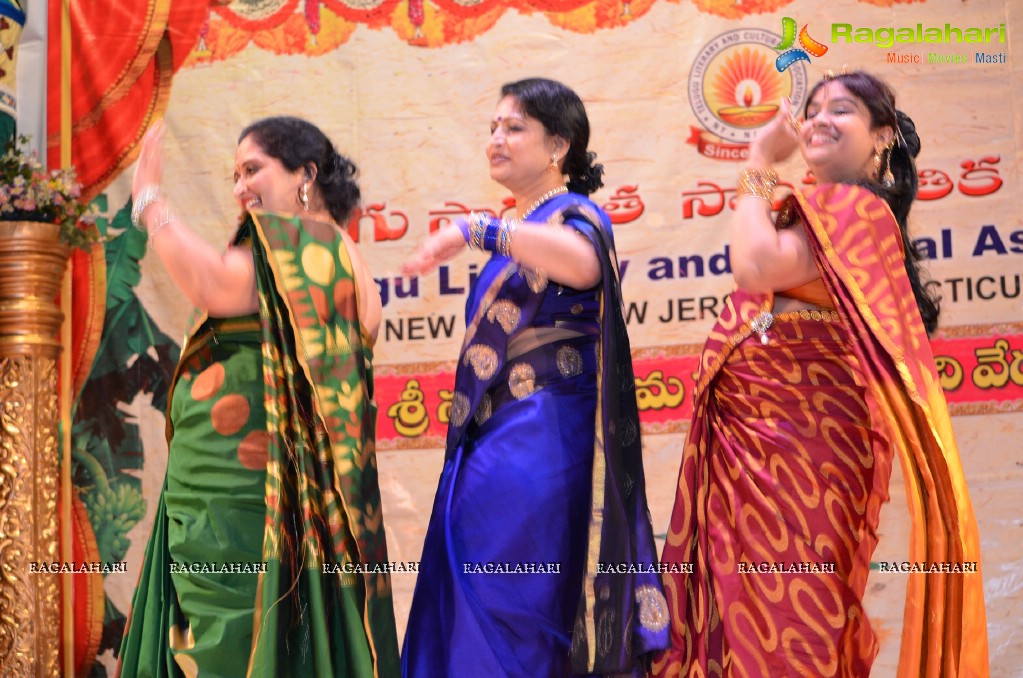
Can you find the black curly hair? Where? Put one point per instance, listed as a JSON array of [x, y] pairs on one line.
[[879, 98], [297, 143], [561, 112]]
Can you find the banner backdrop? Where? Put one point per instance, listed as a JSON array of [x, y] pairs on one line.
[[674, 91]]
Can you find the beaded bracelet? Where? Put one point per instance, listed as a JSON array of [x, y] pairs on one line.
[[758, 183], [146, 197]]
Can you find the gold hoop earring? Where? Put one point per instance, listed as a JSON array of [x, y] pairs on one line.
[[303, 196]]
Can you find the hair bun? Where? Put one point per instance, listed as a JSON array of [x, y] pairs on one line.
[[907, 133], [330, 163]]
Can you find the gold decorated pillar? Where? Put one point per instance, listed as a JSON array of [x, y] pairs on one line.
[[32, 263]]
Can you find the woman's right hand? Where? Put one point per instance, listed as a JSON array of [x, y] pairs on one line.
[[777, 140], [438, 248], [149, 169]]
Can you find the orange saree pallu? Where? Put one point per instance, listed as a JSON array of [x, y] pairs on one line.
[[787, 464]]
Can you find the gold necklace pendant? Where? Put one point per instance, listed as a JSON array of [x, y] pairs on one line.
[[542, 199]]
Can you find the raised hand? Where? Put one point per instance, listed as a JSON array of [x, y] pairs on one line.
[[778, 139], [149, 169]]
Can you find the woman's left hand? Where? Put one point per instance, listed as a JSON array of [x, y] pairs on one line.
[[438, 248]]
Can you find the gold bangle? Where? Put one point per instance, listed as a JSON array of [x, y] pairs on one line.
[[758, 182]]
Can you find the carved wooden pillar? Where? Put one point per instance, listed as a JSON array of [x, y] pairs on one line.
[[32, 263]]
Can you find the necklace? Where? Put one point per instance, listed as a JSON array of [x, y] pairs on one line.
[[542, 199]]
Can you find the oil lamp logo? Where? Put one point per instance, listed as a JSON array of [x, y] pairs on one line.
[[735, 87], [788, 37]]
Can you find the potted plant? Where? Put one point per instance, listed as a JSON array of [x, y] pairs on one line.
[[41, 220], [28, 193]]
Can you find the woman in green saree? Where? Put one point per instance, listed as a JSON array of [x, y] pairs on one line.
[[270, 512]]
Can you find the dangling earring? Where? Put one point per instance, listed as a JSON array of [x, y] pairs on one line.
[[877, 165], [888, 179], [553, 167], [303, 196]]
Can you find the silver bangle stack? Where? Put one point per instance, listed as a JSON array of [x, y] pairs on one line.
[[146, 197], [165, 219]]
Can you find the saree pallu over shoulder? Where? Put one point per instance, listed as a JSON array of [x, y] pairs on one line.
[[621, 615], [859, 250], [322, 496]]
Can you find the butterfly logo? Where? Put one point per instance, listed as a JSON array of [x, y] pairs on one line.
[[788, 38]]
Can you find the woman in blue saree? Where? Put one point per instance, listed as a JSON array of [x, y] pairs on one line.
[[539, 558]]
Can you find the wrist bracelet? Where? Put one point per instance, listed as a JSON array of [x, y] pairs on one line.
[[491, 234], [149, 194], [758, 183], [164, 220], [475, 232], [477, 226], [486, 232], [504, 238]]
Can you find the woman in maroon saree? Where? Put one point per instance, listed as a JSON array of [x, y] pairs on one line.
[[817, 374]]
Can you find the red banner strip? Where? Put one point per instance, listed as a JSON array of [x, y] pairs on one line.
[[979, 374]]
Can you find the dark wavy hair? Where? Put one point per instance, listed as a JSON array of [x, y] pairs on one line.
[[879, 99], [297, 143], [561, 112]]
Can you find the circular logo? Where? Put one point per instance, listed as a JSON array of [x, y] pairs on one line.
[[734, 86]]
